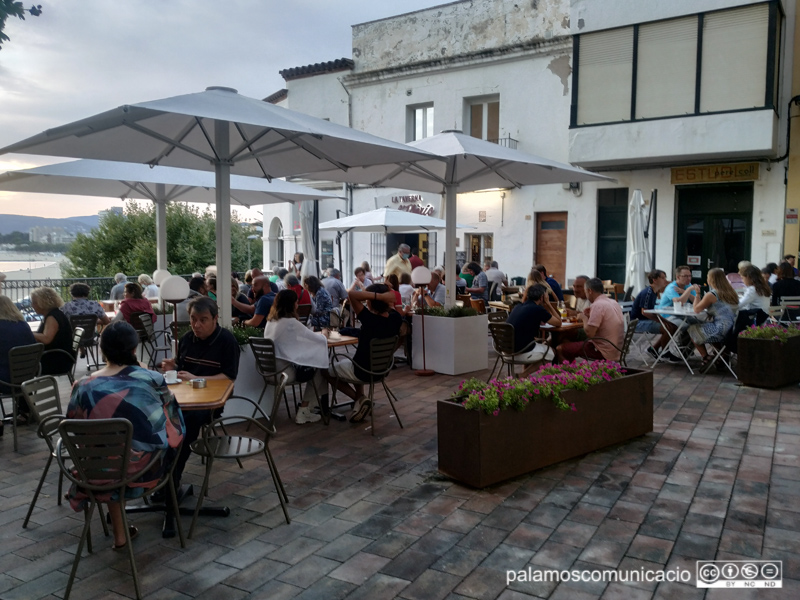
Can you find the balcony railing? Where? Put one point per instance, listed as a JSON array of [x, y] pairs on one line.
[[19, 289], [507, 142]]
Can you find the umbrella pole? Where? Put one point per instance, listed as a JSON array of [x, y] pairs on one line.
[[161, 227], [222, 171], [451, 192], [424, 371]]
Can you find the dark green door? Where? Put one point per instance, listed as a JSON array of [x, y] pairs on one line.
[[714, 228], [612, 234]]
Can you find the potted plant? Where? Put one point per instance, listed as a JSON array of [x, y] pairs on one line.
[[455, 340], [490, 432], [769, 355]]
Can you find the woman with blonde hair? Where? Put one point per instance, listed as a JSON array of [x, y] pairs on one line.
[[535, 277], [54, 331], [14, 331], [722, 303], [149, 289]]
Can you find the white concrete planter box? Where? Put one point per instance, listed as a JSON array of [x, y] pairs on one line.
[[452, 345]]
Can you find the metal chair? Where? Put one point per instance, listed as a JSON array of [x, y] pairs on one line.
[[88, 341], [478, 305], [267, 366], [149, 338], [217, 443], [499, 316], [100, 451], [626, 343], [790, 308], [381, 360], [504, 344], [44, 401], [24, 363], [303, 313]]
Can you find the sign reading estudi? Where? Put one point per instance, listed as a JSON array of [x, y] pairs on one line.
[[715, 173]]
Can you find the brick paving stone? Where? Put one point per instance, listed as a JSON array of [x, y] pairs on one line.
[[418, 524], [343, 547], [256, 575], [409, 564], [484, 539], [379, 587], [603, 552], [430, 585], [573, 533], [528, 536], [459, 561], [694, 545], [308, 570], [327, 588], [276, 590], [555, 555], [359, 568], [483, 583], [651, 549]]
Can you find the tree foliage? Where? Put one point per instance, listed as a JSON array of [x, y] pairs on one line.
[[10, 8], [127, 243]]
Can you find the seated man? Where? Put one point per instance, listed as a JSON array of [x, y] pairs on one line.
[[554, 285], [258, 312], [197, 287], [648, 322], [207, 351], [526, 319], [579, 291], [604, 320], [434, 293], [118, 291], [336, 290], [378, 321]]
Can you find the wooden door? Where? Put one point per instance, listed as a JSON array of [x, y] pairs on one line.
[[551, 244]]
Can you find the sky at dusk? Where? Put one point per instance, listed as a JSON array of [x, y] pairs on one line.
[[82, 57]]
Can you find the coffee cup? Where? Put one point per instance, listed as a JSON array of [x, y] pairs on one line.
[[171, 377], [677, 305]]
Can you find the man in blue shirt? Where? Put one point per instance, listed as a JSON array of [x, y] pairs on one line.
[[554, 285], [648, 322], [680, 289]]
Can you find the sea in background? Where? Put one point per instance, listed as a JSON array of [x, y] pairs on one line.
[[30, 265]]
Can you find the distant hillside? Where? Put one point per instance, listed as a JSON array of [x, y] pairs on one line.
[[9, 223]]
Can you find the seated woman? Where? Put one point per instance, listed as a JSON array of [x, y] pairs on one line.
[[527, 319], [323, 305], [757, 293], [149, 289], [81, 305], [14, 331], [134, 302], [394, 283], [722, 304], [124, 389], [296, 345], [786, 285], [291, 282], [54, 331], [535, 277], [406, 289], [735, 279]]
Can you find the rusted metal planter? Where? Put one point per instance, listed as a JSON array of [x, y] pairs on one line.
[[768, 363], [480, 450]]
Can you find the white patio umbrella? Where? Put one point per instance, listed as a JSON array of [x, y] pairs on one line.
[[386, 220], [310, 264], [470, 164], [218, 130], [158, 184], [639, 258]]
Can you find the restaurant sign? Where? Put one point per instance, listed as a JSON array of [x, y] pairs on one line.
[[715, 173], [421, 204]]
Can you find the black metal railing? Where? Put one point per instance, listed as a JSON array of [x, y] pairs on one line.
[[507, 142], [19, 289]]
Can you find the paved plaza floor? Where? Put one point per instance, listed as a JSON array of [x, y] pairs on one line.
[[719, 478]]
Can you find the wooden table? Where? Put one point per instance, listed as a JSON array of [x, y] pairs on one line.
[[214, 395], [500, 305], [342, 340], [555, 332]]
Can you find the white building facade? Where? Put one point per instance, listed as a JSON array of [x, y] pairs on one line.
[[687, 97]]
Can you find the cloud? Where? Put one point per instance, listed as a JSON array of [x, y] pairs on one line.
[[82, 57]]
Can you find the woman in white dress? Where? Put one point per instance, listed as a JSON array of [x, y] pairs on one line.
[[296, 345]]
